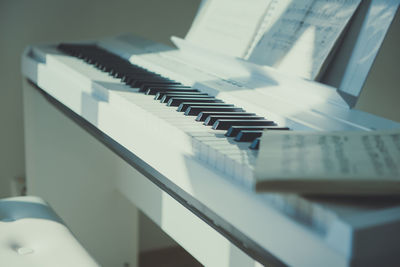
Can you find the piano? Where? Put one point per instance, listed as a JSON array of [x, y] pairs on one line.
[[189, 120]]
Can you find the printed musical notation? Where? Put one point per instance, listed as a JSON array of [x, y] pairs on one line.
[[296, 37], [228, 26], [330, 162], [300, 40]]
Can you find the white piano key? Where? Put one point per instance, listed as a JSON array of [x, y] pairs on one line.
[[229, 166]]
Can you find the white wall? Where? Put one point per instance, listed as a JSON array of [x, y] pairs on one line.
[[25, 22]]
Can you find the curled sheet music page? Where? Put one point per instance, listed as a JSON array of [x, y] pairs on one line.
[[228, 26], [300, 35], [330, 162]]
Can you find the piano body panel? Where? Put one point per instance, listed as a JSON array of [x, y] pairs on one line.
[[75, 173], [296, 230]]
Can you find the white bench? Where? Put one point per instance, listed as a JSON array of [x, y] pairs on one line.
[[32, 234]]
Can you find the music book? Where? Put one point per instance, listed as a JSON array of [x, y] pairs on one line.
[[348, 163], [296, 37]]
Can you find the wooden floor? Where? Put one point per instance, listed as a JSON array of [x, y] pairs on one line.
[[167, 257]]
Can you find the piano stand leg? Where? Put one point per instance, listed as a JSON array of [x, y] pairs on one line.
[[76, 174]]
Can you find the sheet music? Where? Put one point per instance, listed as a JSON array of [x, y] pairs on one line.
[[228, 26], [299, 40], [275, 10], [330, 156]]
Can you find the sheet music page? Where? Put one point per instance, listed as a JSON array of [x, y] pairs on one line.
[[228, 26], [336, 156], [299, 35]]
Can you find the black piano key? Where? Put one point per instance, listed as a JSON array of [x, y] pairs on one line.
[[169, 94], [255, 145], [166, 98], [136, 82], [126, 68], [195, 110], [204, 115], [141, 83], [185, 105], [110, 64], [212, 118], [176, 101], [149, 79], [131, 77], [123, 68], [225, 124], [88, 60], [234, 130], [118, 71], [79, 55], [141, 75], [144, 85], [277, 128], [247, 135], [106, 59], [152, 90], [125, 75], [107, 66], [97, 64], [104, 68]]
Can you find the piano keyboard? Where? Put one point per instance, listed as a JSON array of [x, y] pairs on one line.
[[234, 154]]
